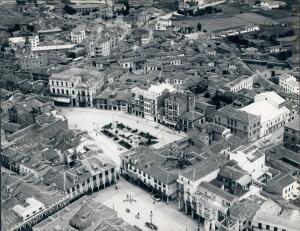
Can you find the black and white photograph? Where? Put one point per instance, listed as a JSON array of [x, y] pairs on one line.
[[150, 115]]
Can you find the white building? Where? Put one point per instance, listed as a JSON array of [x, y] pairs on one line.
[[76, 86], [289, 83], [30, 208], [78, 35], [270, 106], [251, 160], [271, 216], [153, 98], [19, 42], [163, 24], [243, 82], [102, 43], [269, 4]]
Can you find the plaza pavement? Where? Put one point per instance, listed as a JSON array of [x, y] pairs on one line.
[[165, 217]]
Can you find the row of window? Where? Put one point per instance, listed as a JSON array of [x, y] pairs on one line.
[[62, 91], [268, 227], [61, 83]]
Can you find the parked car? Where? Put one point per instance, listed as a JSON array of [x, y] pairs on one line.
[[151, 226], [157, 198]]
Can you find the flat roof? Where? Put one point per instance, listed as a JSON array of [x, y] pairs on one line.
[[264, 109]]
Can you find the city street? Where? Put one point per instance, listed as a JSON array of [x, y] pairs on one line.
[[165, 217]]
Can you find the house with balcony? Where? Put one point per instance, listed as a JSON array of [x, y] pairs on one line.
[[76, 86]]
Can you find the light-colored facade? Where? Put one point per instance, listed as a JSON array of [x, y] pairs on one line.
[[251, 160], [270, 107], [268, 4], [76, 86], [152, 99], [19, 42], [289, 84], [78, 35], [243, 82]]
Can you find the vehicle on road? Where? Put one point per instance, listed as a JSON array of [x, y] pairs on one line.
[[157, 198], [151, 226]]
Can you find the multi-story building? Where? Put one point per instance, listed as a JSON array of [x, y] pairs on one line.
[[31, 61], [243, 82], [291, 135], [95, 171], [78, 35], [269, 106], [146, 103], [190, 179], [286, 186], [24, 204], [272, 216], [289, 84], [212, 204], [149, 168], [103, 43], [113, 100], [19, 42], [175, 105], [241, 123], [96, 215], [76, 86], [251, 160]]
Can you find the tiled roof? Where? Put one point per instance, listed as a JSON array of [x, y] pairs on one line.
[[205, 167], [217, 191], [237, 114]]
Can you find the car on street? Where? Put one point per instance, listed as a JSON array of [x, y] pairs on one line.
[[151, 226], [157, 198]]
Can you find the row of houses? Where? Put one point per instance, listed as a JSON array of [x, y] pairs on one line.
[[51, 163], [212, 182]]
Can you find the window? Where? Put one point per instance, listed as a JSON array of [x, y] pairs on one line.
[[100, 175], [53, 90], [259, 225], [112, 170], [67, 92], [72, 84], [106, 173], [62, 91], [73, 92]]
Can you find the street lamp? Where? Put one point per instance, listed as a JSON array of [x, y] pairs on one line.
[[198, 227], [151, 215]]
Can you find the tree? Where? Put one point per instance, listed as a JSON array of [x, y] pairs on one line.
[[199, 27]]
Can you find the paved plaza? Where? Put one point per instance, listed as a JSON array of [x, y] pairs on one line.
[[92, 120], [165, 217]]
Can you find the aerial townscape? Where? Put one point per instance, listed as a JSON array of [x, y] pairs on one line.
[[137, 115]]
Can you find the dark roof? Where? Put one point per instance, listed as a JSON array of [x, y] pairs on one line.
[[205, 167], [217, 191], [237, 114]]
